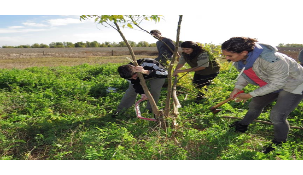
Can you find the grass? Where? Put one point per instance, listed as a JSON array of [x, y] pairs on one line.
[[64, 113]]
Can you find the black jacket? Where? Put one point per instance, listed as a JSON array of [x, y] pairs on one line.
[[156, 70]]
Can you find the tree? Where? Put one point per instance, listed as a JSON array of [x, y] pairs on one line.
[[118, 21], [132, 43], [152, 45], [80, 44], [36, 45], [68, 44], [122, 44], [143, 44], [44, 45], [94, 44]]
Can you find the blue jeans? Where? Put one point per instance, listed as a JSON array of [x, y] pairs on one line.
[[286, 102]]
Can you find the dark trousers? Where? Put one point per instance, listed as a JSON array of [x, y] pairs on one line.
[[286, 102], [200, 81]]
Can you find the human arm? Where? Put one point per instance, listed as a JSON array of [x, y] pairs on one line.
[[155, 68], [142, 70], [177, 70], [239, 97]]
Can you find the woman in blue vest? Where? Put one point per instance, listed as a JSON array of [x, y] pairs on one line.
[[198, 59], [277, 77]]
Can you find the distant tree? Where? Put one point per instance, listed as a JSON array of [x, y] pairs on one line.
[[131, 43], [143, 44], [80, 44], [8, 47], [87, 43], [24, 46], [114, 44], [122, 44], [105, 44], [52, 45], [68, 44], [94, 44], [59, 45], [36, 45], [152, 45], [44, 45]]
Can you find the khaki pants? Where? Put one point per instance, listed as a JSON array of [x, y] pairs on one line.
[[130, 95]]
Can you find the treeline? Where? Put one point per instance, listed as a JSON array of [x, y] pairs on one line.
[[290, 45], [85, 44]]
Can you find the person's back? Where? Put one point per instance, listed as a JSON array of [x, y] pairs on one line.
[[165, 47]]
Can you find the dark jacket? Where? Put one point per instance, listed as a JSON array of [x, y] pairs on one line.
[[164, 51], [156, 70], [213, 66]]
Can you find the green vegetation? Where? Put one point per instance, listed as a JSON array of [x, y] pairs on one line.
[[65, 113], [85, 44]]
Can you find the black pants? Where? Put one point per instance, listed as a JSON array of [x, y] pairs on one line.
[[203, 80]]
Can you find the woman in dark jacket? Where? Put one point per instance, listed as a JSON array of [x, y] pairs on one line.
[[198, 59]]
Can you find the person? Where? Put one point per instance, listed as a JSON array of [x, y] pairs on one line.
[[278, 77], [153, 72], [164, 53], [198, 59], [300, 57]]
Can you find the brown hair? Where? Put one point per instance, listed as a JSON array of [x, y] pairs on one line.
[[125, 71], [196, 48], [239, 44]]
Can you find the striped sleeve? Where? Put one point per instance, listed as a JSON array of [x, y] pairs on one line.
[[203, 59]]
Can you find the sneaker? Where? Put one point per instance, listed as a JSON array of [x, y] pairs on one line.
[[239, 127], [270, 147]]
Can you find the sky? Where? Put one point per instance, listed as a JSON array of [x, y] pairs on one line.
[[214, 21]]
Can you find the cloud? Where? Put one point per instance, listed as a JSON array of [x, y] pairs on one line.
[[18, 30], [33, 24], [65, 21], [16, 27]]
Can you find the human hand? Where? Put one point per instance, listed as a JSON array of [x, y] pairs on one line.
[[140, 69], [242, 97], [234, 92]]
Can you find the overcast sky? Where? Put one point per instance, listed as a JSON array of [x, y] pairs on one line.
[[214, 21]]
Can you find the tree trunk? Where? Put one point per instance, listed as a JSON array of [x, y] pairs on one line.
[[169, 87]]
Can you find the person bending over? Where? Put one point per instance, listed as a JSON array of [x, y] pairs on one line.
[[153, 72], [277, 77]]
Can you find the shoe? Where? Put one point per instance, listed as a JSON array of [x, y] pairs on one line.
[[115, 114], [270, 147], [239, 127]]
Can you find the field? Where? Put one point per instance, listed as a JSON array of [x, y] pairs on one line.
[[63, 112], [11, 53]]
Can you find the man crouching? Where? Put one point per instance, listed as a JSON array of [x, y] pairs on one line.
[[153, 72]]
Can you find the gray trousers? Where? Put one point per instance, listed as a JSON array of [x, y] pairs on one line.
[[130, 95], [285, 103]]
